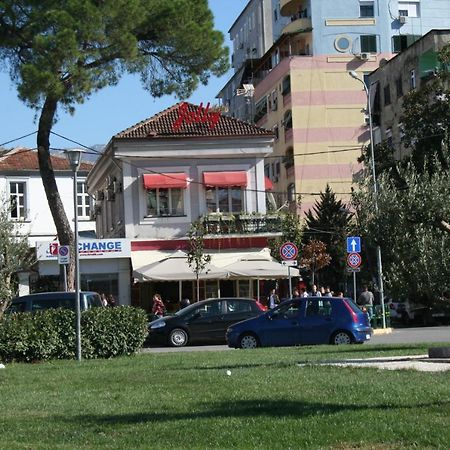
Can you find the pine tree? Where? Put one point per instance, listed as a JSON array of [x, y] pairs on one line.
[[330, 221]]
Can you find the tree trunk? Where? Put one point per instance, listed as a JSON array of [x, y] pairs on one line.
[[65, 234]]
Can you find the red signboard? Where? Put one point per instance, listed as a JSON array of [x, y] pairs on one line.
[[200, 115]]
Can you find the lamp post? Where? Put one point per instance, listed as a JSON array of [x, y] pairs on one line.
[[74, 158], [354, 75]]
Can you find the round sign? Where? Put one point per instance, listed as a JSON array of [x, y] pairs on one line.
[[63, 250], [354, 260], [289, 251]]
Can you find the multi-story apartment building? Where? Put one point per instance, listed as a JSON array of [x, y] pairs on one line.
[[407, 71], [302, 90]]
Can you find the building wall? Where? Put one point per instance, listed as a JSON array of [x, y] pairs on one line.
[[39, 222]]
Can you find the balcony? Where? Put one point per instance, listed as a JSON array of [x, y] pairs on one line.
[[290, 7], [241, 223], [299, 24]]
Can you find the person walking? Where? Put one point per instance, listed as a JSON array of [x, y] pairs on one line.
[[273, 299], [365, 299], [158, 307], [184, 302]]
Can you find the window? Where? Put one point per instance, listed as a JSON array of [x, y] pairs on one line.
[[342, 43], [276, 132], [366, 9], [17, 199], [368, 43], [224, 199], [409, 9], [165, 202], [387, 95], [287, 120], [260, 109], [286, 85], [412, 79], [402, 42], [84, 203], [318, 308]]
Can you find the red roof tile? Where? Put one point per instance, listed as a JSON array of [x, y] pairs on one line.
[[211, 124], [27, 159]]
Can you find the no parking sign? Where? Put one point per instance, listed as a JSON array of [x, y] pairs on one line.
[[289, 251], [63, 254]]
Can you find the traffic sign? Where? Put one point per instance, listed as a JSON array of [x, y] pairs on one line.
[[353, 269], [353, 244], [289, 251], [289, 263], [354, 260], [63, 254]]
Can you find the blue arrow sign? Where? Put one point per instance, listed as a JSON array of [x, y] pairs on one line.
[[353, 244]]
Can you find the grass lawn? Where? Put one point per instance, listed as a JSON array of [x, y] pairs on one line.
[[186, 400]]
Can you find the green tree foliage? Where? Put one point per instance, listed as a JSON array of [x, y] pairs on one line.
[[330, 222], [60, 53], [291, 231], [15, 255], [197, 259], [411, 228]]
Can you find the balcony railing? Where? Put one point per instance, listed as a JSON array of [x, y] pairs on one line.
[[241, 224]]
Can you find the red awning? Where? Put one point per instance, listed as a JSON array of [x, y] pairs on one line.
[[225, 179], [268, 184], [165, 180]]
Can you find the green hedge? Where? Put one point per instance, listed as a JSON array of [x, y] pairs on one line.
[[50, 334]]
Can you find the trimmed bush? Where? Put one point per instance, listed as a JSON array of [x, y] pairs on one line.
[[50, 334]]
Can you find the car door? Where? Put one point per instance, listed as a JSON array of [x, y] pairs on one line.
[[317, 322], [206, 322], [237, 310], [282, 326]]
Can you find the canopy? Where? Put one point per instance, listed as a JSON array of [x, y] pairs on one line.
[[165, 180], [225, 179], [258, 266], [175, 268]]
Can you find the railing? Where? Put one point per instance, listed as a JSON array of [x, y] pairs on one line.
[[241, 224]]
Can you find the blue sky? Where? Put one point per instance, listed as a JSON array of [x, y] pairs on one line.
[[110, 110]]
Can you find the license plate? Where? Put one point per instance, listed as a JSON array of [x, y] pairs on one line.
[[367, 336]]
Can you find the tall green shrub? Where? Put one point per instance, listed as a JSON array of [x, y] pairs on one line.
[[50, 334]]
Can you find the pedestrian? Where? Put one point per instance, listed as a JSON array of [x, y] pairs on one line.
[[273, 298], [315, 292], [296, 293], [158, 307], [328, 292], [303, 292], [111, 300], [184, 302], [365, 300], [104, 299]]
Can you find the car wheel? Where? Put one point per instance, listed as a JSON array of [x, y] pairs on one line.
[[248, 340], [178, 337], [341, 337]]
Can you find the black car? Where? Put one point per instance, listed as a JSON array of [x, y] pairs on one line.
[[51, 300], [204, 321]]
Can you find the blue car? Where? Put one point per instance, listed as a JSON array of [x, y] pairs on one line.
[[303, 321]]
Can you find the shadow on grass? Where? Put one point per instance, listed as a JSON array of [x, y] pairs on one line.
[[250, 408]]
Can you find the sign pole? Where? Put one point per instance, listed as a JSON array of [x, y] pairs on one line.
[[290, 283], [64, 270], [354, 286]]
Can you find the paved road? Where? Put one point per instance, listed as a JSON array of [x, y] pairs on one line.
[[413, 335], [398, 336]]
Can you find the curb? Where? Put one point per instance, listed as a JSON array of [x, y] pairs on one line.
[[378, 331]]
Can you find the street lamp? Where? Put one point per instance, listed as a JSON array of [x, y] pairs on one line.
[[354, 75], [74, 158]]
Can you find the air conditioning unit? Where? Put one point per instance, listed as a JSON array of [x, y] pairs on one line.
[[364, 56], [402, 19], [117, 187]]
